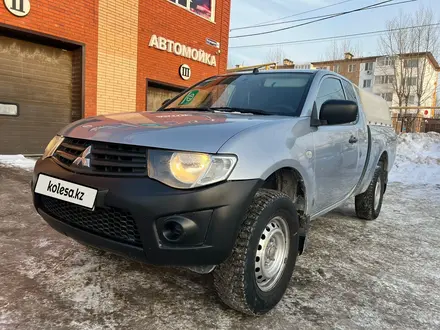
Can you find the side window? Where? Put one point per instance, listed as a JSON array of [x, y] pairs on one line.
[[330, 89], [351, 94], [349, 91]]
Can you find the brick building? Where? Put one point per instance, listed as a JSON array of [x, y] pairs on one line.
[[61, 60]]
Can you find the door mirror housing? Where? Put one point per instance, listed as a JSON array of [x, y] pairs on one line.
[[338, 112]]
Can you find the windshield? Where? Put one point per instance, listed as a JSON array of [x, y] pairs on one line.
[[264, 93]]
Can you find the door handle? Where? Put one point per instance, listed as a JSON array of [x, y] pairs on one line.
[[353, 139]]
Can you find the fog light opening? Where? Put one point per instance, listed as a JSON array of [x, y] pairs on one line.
[[173, 231]]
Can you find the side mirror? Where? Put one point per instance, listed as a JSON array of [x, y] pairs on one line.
[[164, 102], [337, 112]]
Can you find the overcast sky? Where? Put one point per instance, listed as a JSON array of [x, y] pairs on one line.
[[248, 12]]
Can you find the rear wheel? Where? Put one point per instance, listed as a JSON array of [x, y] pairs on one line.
[[255, 277], [369, 203]]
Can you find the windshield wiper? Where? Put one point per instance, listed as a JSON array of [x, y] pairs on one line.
[[241, 110], [188, 109]]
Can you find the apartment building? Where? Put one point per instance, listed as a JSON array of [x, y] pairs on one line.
[[350, 67], [377, 74]]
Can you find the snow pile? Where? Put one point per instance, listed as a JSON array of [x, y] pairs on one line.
[[417, 159], [17, 161]]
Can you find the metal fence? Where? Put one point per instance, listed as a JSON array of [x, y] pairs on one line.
[[407, 124], [432, 125], [416, 119]]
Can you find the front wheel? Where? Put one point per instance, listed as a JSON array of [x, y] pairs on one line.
[[256, 275]]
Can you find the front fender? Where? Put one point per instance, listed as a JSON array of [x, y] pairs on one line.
[[264, 149]]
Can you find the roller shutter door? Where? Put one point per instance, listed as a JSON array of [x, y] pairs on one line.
[[156, 95], [39, 79]]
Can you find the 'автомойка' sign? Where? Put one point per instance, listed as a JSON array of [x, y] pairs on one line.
[[178, 49]]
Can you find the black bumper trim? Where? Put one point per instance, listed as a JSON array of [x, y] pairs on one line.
[[217, 210]]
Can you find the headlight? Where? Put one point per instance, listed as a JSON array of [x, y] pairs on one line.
[[188, 169], [52, 146]]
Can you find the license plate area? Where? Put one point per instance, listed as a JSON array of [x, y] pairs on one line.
[[66, 191]]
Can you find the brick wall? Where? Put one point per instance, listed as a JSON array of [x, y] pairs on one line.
[[344, 68], [170, 21], [117, 55], [73, 20]]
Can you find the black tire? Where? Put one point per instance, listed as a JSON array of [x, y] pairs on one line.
[[235, 280], [365, 202]]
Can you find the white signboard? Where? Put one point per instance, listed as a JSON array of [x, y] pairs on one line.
[[185, 72], [18, 8], [179, 49], [8, 109]]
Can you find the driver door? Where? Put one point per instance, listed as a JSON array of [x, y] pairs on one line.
[[336, 152]]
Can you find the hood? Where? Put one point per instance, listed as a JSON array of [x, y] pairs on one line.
[[178, 130]]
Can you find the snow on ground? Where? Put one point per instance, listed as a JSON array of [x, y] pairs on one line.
[[356, 274], [17, 161], [417, 159]]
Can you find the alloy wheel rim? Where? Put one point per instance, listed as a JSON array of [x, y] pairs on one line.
[[272, 253]]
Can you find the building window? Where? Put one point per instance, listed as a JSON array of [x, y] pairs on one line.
[[367, 83], [411, 99], [411, 81], [384, 79], [337, 68], [411, 63], [351, 67], [385, 61], [369, 66], [387, 96], [203, 8]]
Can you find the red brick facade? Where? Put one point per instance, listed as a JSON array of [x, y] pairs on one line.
[[170, 21], [78, 21]]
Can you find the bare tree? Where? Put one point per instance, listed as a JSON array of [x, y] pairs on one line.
[[336, 50], [426, 39], [393, 45], [276, 55], [406, 50]]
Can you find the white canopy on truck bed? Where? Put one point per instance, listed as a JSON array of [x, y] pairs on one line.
[[375, 108]]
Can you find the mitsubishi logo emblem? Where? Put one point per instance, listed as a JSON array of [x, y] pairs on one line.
[[84, 159]]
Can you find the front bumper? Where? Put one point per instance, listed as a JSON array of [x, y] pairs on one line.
[[215, 214]]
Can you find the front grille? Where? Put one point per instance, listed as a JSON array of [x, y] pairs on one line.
[[112, 223], [104, 158]]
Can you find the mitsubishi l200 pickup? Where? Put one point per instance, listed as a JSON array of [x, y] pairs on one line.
[[223, 178]]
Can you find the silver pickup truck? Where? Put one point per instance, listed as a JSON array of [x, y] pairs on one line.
[[224, 178]]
